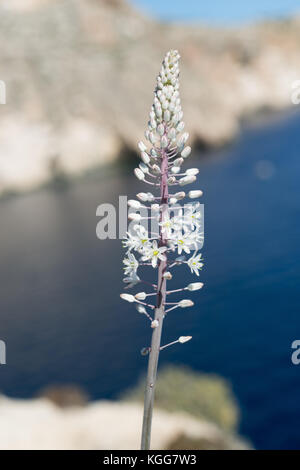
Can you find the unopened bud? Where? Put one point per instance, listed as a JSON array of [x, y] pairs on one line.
[[167, 275], [185, 303], [142, 146], [175, 169], [154, 324], [145, 157], [187, 180], [135, 217], [184, 339], [195, 286], [179, 195], [141, 295], [142, 197], [139, 174], [127, 297], [186, 152], [192, 171], [195, 194], [164, 142], [145, 351], [134, 204]]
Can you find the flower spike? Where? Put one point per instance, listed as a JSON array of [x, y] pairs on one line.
[[178, 232]]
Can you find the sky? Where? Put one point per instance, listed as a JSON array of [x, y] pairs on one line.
[[218, 11]]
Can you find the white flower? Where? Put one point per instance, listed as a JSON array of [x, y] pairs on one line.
[[195, 286], [141, 238], [167, 225], [192, 216], [154, 253], [130, 242], [195, 263], [185, 303], [131, 264], [131, 280], [182, 241], [184, 339], [127, 297]]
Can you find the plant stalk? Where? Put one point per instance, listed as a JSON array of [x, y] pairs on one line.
[[159, 314]]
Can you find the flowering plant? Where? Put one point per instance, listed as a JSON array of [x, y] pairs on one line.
[[177, 235]]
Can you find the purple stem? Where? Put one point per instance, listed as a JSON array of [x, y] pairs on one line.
[[159, 312]]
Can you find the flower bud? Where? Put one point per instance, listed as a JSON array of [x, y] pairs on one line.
[[187, 180], [184, 339], [142, 146], [154, 324], [164, 142], [135, 217], [172, 133], [145, 157], [178, 161], [183, 138], [141, 309], [195, 286], [145, 351], [150, 197], [144, 168], [172, 200], [134, 204], [127, 297], [195, 194], [152, 138], [161, 129], [186, 152], [185, 303], [171, 180], [192, 171], [175, 169], [139, 174], [142, 197], [167, 275], [167, 115], [155, 168], [141, 295], [155, 207], [153, 153], [180, 195], [180, 127]]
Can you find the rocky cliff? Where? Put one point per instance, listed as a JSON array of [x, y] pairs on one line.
[[79, 77], [40, 425]]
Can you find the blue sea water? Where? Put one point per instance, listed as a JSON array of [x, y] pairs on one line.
[[231, 12], [63, 321]]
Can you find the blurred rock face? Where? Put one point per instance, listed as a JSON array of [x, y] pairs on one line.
[[79, 76], [40, 425]]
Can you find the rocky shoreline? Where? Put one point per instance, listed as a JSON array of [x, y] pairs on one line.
[[79, 76], [38, 424]]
